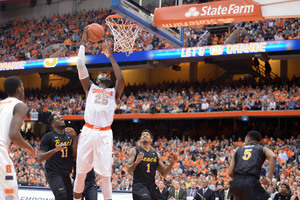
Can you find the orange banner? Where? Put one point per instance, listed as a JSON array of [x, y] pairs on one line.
[[203, 115], [218, 12]]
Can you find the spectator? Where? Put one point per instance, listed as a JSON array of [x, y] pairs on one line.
[[272, 105], [177, 193], [278, 36], [284, 193], [192, 190], [163, 190], [272, 192], [260, 38], [291, 104], [224, 194], [282, 156], [219, 186], [205, 192], [296, 195], [204, 106]]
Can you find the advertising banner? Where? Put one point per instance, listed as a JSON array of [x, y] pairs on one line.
[[46, 194], [218, 12], [161, 54]]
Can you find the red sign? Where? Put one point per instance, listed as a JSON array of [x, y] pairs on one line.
[[218, 12]]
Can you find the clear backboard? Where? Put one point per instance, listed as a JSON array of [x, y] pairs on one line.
[[140, 12]]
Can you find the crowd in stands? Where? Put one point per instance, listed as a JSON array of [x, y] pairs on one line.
[[273, 29], [179, 97], [199, 159], [25, 39], [256, 31]]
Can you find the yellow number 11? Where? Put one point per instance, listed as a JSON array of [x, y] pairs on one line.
[[64, 153]]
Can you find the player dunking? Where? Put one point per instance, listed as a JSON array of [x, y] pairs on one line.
[[12, 114], [245, 169], [143, 162], [96, 139]]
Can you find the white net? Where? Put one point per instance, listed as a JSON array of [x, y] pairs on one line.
[[124, 33]]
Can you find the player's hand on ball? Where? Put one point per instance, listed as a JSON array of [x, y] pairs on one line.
[[84, 38], [71, 131], [60, 147], [139, 158]]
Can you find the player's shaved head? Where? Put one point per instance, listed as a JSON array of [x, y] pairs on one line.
[[11, 85], [103, 79]]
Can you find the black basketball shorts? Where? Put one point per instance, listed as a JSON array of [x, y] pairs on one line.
[[145, 191], [248, 188], [60, 185]]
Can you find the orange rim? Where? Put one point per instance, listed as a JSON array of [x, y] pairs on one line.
[[116, 16]]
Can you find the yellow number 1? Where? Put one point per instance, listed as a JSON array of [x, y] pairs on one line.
[[247, 154], [148, 168]]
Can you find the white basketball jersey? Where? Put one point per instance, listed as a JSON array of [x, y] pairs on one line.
[[100, 106], [6, 114]]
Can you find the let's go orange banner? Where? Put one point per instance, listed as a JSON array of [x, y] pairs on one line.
[[218, 12]]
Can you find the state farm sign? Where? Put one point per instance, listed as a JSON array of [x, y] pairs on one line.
[[218, 12]]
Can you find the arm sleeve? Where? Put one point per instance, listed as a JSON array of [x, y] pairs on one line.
[[82, 70]]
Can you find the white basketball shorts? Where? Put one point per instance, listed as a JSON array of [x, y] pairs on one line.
[[8, 180], [95, 150]]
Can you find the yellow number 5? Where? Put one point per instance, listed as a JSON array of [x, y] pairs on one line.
[[247, 154]]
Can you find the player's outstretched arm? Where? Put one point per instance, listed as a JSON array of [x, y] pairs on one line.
[[132, 163], [19, 114], [120, 82], [83, 73], [45, 155], [165, 170], [272, 161], [232, 166]]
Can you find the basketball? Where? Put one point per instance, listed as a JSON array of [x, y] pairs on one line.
[[95, 32]]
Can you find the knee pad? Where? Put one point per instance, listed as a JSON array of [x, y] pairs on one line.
[[106, 187], [79, 182]]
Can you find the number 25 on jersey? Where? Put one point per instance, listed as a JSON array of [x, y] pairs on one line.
[[247, 154], [101, 99]]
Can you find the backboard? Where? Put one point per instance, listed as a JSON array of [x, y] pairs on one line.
[[140, 12]]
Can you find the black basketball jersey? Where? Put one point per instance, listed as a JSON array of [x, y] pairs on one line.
[[249, 160], [62, 161], [145, 170]]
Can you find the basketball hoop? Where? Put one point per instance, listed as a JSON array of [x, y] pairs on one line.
[[124, 33]]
